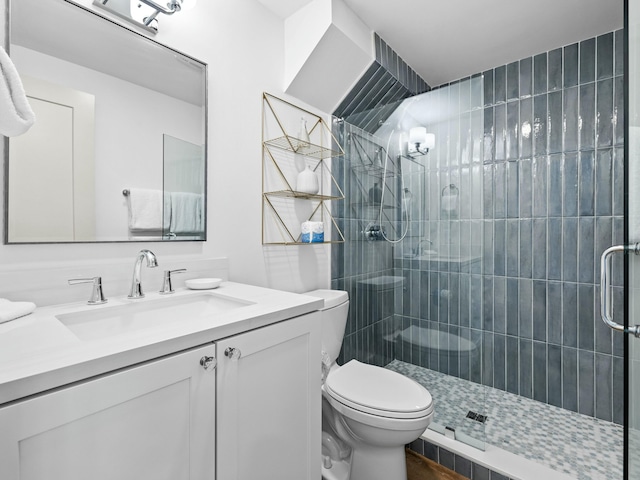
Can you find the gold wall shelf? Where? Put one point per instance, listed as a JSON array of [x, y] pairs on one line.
[[283, 155]]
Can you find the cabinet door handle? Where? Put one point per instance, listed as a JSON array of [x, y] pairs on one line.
[[208, 363], [232, 353]]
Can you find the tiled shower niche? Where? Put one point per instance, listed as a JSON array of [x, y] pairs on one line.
[[538, 165]]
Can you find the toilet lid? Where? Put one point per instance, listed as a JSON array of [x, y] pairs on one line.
[[378, 391]]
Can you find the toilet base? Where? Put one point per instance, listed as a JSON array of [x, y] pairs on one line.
[[370, 464], [373, 463]]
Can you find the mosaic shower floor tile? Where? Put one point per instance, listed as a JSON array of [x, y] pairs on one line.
[[584, 447]]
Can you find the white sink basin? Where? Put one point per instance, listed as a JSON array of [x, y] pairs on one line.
[[147, 314]]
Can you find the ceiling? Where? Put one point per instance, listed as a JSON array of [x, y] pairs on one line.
[[452, 39]]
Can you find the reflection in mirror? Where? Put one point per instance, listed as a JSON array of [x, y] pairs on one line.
[[115, 111]]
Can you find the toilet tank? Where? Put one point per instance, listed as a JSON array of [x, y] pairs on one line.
[[334, 319]]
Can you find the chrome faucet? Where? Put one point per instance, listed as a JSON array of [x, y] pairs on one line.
[[136, 285], [417, 251]]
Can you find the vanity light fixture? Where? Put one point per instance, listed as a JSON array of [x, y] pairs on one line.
[[420, 142], [144, 12]]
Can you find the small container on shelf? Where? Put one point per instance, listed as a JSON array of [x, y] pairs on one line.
[[307, 181]]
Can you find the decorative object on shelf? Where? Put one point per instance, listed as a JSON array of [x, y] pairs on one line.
[[375, 194], [303, 136], [307, 181], [420, 142], [449, 201], [294, 168]]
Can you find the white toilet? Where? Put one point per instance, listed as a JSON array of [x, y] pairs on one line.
[[369, 413]]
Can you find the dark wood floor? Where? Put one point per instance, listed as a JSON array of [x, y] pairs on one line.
[[421, 468]]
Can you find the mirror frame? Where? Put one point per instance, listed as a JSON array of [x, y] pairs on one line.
[[6, 142]]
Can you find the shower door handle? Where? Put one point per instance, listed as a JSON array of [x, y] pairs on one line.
[[605, 287]]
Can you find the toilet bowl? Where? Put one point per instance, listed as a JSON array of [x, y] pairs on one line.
[[369, 413]]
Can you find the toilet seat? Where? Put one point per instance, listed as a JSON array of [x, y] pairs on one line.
[[378, 391]]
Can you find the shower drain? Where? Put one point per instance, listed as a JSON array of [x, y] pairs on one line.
[[477, 416]]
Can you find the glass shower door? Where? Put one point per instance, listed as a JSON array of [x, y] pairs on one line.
[[632, 217]]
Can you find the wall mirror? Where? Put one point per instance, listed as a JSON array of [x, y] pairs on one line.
[[118, 150]]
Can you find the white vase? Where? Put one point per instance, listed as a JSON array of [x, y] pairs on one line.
[[307, 181]]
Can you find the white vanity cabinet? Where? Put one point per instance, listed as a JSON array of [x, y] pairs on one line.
[[150, 421], [269, 402]]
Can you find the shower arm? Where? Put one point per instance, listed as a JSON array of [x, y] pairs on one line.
[[606, 309]]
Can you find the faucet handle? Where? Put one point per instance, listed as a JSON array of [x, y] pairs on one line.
[[166, 283], [97, 296]]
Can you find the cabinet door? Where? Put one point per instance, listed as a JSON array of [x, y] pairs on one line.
[[269, 403], [152, 421]]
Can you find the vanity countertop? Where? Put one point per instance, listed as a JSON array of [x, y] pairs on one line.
[[38, 352]]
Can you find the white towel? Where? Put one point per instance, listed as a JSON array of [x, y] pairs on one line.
[[10, 310], [16, 116], [186, 213], [145, 210]]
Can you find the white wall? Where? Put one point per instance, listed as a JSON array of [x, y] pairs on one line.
[[243, 44]]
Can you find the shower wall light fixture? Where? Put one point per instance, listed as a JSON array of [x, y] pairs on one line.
[[144, 12], [420, 141]]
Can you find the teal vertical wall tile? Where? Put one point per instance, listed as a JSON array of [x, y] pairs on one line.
[[604, 113], [540, 311], [586, 190], [570, 185], [526, 127], [525, 304], [554, 314], [586, 250], [587, 60], [513, 131], [500, 119], [586, 316], [619, 52], [555, 123], [526, 368], [570, 118], [604, 56], [540, 371], [540, 125], [513, 81], [499, 359], [554, 379], [526, 247], [586, 400], [513, 359], [556, 185], [499, 304], [604, 387], [539, 266], [570, 315], [570, 379], [554, 255], [526, 77], [554, 67], [618, 111], [569, 249], [500, 84], [512, 306], [587, 116], [570, 72], [540, 74]]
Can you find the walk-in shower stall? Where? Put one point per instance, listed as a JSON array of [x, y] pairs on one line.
[[475, 215]]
